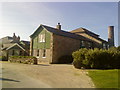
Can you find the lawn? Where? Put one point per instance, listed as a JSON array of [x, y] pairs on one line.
[[105, 78]]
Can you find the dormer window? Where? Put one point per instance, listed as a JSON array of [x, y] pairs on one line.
[[42, 38]]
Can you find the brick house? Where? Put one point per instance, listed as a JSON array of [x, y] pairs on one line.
[[49, 44]]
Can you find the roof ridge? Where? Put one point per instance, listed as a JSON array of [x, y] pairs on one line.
[[85, 30]]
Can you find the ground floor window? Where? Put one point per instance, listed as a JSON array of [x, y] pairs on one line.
[[37, 52], [44, 53], [82, 44], [20, 53], [13, 52], [104, 46], [89, 45]]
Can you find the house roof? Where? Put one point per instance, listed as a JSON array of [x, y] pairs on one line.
[[6, 39], [83, 30], [61, 32], [5, 46], [15, 45], [25, 42]]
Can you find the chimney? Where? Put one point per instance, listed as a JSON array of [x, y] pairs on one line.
[[18, 38], [14, 35], [111, 36], [58, 26]]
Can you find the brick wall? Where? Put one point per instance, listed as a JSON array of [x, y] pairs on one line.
[[63, 46]]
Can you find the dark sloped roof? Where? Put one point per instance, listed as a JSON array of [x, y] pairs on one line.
[[61, 33], [101, 40], [26, 42], [64, 33], [89, 32], [83, 30]]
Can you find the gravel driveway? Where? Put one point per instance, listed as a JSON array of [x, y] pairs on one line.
[[44, 76]]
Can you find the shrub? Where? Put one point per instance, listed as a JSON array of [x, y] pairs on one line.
[[23, 59], [97, 58], [78, 57], [3, 58]]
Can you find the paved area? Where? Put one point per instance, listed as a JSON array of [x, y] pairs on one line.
[[15, 75]]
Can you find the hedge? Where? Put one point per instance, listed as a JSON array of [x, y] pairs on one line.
[[97, 58], [23, 59], [3, 58]]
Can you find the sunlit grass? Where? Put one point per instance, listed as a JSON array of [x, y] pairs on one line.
[[105, 78]]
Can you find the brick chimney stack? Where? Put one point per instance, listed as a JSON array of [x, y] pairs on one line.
[[111, 36], [58, 26]]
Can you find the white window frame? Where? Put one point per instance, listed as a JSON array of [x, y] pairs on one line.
[[42, 38]]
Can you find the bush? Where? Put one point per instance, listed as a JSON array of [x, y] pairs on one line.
[[97, 58], [3, 58], [78, 57], [65, 59], [23, 59]]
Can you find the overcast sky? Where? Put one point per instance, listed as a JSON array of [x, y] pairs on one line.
[[24, 18]]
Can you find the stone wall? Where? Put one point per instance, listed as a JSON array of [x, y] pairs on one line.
[[40, 58], [23, 59], [63, 46]]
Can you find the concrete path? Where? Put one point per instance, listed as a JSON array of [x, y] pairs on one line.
[[16, 75]]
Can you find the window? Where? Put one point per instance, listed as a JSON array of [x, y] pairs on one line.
[[104, 46], [42, 38], [89, 44], [82, 43], [37, 52], [20, 53], [13, 52], [108, 46], [44, 53]]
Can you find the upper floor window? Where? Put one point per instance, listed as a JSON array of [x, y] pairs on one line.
[[42, 38]]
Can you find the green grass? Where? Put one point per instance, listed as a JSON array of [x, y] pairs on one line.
[[105, 78]]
